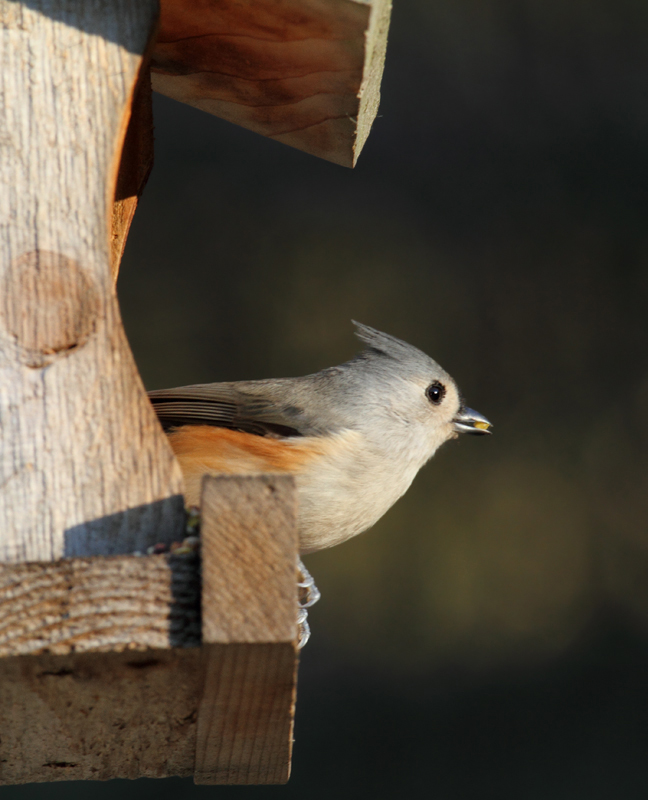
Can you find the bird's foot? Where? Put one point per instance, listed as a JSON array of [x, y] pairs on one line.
[[307, 595], [303, 628]]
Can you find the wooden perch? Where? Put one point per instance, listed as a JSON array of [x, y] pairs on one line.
[[303, 72], [102, 672]]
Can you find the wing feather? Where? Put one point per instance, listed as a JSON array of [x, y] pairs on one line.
[[244, 407]]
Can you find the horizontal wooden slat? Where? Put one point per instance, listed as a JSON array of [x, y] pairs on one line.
[[97, 716], [303, 72], [99, 604]]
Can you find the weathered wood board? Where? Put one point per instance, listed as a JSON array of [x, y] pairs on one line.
[[85, 467], [303, 72], [100, 668], [97, 716], [245, 724], [249, 603], [106, 670]]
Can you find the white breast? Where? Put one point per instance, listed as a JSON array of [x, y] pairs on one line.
[[349, 487]]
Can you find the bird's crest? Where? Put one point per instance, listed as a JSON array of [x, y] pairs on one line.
[[390, 346]]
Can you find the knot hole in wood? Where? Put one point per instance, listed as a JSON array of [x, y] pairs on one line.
[[50, 306]]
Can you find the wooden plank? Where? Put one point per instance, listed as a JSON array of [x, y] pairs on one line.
[[101, 672], [99, 605], [100, 669], [85, 468], [245, 718], [249, 604], [303, 72], [249, 550], [97, 716]]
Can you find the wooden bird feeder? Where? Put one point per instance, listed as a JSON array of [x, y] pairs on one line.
[[114, 665]]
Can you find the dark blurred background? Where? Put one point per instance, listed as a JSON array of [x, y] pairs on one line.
[[489, 638]]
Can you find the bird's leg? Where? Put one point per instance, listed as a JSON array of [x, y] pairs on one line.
[[307, 595]]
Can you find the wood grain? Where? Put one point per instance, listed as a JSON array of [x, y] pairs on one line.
[[85, 468], [100, 668], [98, 716], [249, 604], [245, 719], [99, 605], [303, 72], [249, 545], [100, 672]]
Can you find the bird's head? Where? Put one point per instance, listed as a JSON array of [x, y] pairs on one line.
[[408, 397]]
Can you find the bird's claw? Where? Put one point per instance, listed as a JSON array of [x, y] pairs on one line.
[[307, 595], [303, 628]]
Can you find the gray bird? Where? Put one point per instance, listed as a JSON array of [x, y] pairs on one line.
[[353, 436]]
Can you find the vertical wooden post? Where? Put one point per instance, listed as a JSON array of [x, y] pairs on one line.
[[85, 468]]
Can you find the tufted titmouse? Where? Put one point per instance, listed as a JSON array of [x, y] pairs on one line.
[[354, 436]]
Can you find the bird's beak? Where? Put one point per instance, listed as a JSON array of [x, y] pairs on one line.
[[469, 421]]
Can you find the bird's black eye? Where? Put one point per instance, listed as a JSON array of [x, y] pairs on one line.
[[435, 392]]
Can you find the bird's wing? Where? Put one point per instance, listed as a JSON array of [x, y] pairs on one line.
[[253, 406]]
